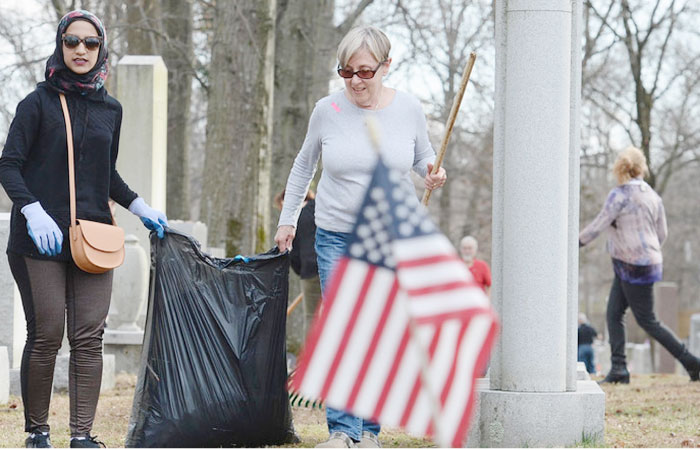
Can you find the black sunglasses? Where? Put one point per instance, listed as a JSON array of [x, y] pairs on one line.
[[91, 43], [365, 74]]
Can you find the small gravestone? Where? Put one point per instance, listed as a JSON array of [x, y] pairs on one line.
[[667, 306], [4, 376]]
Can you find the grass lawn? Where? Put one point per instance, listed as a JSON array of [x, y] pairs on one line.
[[652, 411]]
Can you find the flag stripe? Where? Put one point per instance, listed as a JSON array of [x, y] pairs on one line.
[[451, 373], [336, 320], [425, 261], [369, 356], [419, 382], [439, 288], [392, 373], [360, 340], [480, 364], [320, 322], [348, 331]]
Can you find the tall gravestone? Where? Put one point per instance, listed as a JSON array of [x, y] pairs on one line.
[[142, 89], [534, 398], [13, 331]]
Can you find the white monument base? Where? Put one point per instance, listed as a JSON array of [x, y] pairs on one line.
[[126, 347], [538, 419], [4, 376], [60, 375]]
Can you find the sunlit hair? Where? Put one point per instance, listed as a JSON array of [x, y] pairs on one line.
[[630, 163], [367, 37]]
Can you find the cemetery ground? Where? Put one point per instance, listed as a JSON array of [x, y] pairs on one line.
[[652, 411]]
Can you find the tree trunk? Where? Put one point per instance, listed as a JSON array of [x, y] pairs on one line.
[[236, 123], [141, 17], [178, 55]]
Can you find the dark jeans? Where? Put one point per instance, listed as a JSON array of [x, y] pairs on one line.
[[49, 289], [640, 299]]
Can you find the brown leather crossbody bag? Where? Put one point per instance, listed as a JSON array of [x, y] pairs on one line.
[[96, 247]]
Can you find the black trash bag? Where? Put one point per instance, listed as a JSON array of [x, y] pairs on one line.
[[213, 369]]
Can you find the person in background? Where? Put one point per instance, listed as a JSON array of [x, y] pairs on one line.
[[481, 272], [34, 173], [338, 135], [303, 256], [634, 217], [586, 334]]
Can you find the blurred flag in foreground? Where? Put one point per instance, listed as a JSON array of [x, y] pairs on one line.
[[404, 331]]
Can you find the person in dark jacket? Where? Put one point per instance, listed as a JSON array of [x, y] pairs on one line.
[[303, 256], [34, 173], [586, 334]]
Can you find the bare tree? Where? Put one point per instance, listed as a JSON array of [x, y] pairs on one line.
[[440, 35], [236, 123]]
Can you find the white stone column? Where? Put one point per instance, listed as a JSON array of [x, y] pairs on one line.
[[142, 89], [534, 398]]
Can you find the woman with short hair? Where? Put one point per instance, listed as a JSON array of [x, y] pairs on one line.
[[338, 133]]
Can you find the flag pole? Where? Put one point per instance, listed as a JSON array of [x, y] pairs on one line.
[[451, 121], [433, 399]]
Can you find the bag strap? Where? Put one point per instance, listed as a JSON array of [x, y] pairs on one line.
[[71, 164], [71, 170]]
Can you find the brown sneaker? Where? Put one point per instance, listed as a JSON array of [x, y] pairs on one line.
[[337, 439], [369, 440]]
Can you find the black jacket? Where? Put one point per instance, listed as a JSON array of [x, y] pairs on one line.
[[586, 334], [34, 162], [303, 254]]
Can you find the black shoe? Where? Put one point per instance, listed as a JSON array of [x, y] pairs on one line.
[[691, 364], [38, 440], [617, 374], [88, 442]]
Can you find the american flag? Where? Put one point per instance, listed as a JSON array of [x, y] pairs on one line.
[[404, 331]]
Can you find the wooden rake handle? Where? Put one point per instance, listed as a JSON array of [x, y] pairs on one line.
[[451, 121]]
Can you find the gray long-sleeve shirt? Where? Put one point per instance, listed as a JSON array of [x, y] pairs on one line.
[[338, 133]]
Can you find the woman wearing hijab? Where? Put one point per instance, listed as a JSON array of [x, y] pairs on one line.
[[34, 173]]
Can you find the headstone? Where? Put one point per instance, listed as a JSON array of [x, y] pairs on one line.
[[142, 89], [197, 230], [602, 357], [667, 306], [126, 347], [4, 376], [62, 368], [13, 332], [534, 399], [129, 288], [638, 358], [694, 338]]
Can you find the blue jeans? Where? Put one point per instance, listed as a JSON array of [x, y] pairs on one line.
[[585, 354], [330, 246]]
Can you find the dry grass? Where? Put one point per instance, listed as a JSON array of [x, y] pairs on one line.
[[653, 411]]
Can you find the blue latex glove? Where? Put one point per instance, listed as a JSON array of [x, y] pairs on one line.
[[151, 218], [43, 229]]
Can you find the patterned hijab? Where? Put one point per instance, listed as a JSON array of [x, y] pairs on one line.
[[61, 77]]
